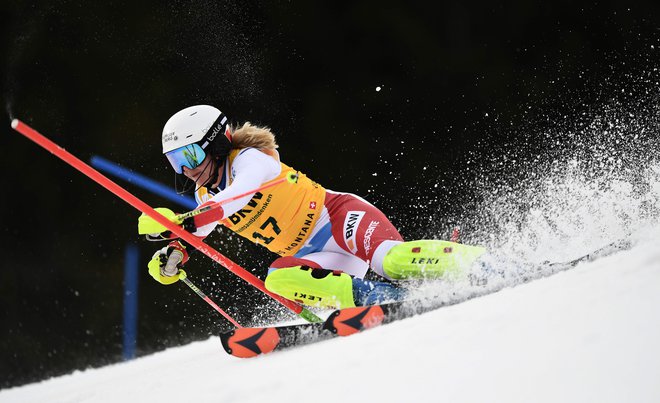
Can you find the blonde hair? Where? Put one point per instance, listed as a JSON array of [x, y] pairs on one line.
[[250, 135]]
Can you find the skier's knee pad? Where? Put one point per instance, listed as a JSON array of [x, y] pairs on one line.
[[429, 259], [313, 287]]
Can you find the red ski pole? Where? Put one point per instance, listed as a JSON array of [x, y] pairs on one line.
[[184, 277], [212, 212], [129, 198]]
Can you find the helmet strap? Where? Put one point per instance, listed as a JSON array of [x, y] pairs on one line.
[[214, 176]]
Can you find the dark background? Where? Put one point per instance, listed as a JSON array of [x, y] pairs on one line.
[[462, 84]]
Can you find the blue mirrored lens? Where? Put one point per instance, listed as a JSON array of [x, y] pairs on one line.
[[187, 156]]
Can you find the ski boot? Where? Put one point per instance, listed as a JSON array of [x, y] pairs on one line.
[[329, 289], [430, 259]]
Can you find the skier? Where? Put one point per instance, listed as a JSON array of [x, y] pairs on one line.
[[326, 240]]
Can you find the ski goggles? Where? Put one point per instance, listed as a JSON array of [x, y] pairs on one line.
[[189, 156]]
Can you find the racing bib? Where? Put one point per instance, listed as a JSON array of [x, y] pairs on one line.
[[282, 217]]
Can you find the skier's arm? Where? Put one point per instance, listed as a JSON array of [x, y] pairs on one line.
[[250, 169]]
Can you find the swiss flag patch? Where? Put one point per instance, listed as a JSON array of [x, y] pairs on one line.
[[312, 205]]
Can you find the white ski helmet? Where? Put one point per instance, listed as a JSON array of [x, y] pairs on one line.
[[197, 130]]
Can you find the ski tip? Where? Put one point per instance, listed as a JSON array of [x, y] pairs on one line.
[[14, 123], [250, 342]]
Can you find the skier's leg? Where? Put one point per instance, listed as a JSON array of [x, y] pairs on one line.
[[358, 227], [361, 229], [306, 281], [310, 280], [351, 235]]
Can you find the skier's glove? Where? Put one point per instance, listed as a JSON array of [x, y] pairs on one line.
[[165, 264], [154, 231]]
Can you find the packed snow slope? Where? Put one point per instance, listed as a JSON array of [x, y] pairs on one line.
[[586, 335]]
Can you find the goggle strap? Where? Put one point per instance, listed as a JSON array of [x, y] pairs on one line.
[[216, 128]]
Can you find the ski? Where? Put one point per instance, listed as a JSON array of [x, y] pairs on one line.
[[251, 342]]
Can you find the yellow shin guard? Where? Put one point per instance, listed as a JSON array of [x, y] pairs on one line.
[[312, 287], [429, 259]]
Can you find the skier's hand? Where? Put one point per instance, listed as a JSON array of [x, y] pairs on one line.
[[152, 228], [154, 231], [165, 263]]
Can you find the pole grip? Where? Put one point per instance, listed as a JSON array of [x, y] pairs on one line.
[[173, 261]]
